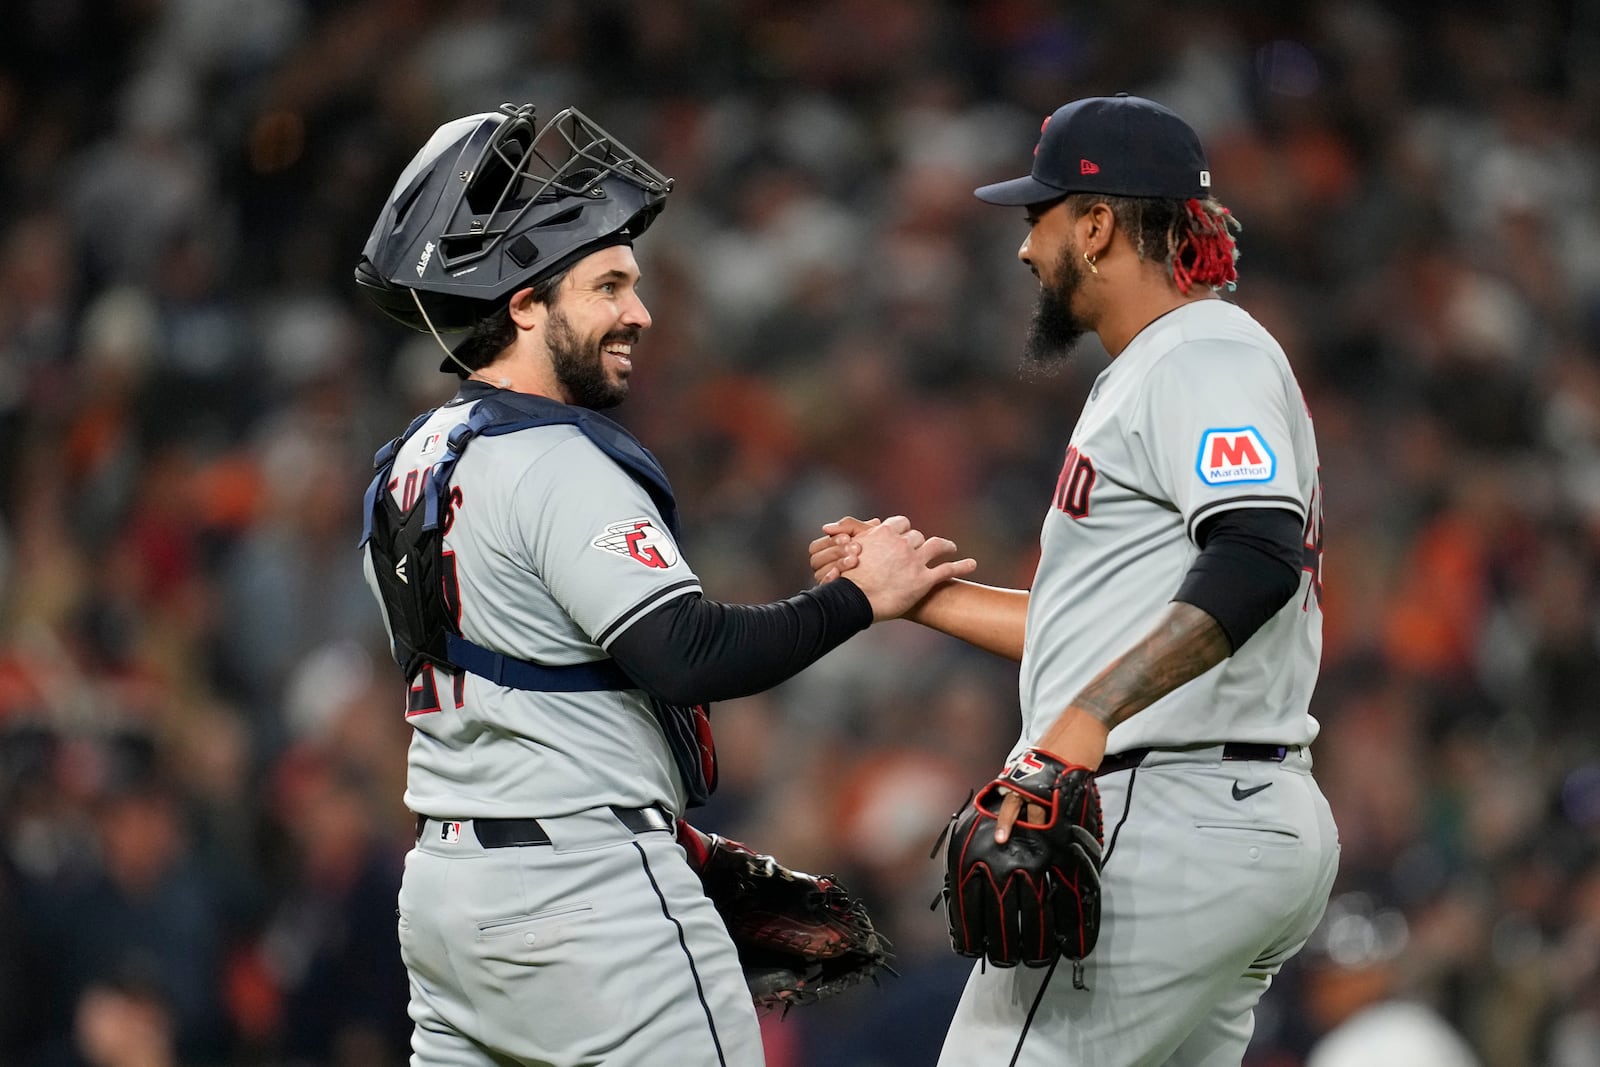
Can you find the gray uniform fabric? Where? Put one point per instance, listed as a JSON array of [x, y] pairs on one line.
[[1167, 437], [601, 948], [1216, 872], [543, 562]]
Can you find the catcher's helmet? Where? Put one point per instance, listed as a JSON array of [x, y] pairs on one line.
[[493, 203]]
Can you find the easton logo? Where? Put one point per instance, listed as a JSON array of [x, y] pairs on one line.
[[639, 540], [427, 254], [1239, 454]]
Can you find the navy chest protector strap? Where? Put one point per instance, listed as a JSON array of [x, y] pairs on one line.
[[421, 600]]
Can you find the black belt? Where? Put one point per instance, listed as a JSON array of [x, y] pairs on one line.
[[510, 833], [1234, 750]]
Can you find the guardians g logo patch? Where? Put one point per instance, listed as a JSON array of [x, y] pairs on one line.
[[639, 540]]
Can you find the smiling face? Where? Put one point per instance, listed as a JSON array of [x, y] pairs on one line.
[[593, 324]]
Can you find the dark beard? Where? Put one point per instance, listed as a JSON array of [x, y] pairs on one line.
[[1055, 330], [580, 367]]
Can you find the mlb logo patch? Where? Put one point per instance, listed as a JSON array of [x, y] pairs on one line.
[[1238, 454], [430, 444], [450, 832]]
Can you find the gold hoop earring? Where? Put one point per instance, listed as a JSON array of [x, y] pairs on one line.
[[1092, 268]]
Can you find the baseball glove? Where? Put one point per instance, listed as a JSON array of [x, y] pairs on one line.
[[1036, 897], [800, 937]]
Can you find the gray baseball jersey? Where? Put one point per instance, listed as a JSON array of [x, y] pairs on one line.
[[1217, 866], [1198, 415], [600, 946], [555, 550]]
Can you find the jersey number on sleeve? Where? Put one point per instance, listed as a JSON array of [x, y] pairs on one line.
[[1312, 549]]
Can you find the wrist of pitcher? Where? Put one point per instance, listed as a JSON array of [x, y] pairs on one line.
[[1077, 737], [922, 611]]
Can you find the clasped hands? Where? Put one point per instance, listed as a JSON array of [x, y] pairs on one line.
[[893, 563]]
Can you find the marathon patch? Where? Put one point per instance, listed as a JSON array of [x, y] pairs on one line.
[[641, 541], [1238, 454]]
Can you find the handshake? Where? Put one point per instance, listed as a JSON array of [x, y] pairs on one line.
[[895, 565]]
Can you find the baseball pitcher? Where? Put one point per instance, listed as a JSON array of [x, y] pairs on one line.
[[1155, 847]]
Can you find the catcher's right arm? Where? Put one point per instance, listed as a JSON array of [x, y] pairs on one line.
[[1036, 897]]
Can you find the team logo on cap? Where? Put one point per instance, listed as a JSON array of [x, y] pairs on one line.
[[641, 541], [1238, 454]]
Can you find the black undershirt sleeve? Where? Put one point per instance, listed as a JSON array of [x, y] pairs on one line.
[[691, 650], [1249, 566]]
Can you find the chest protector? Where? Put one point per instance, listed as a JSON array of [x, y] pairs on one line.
[[407, 547]]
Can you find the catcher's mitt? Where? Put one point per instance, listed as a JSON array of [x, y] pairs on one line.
[[800, 937], [1037, 896]]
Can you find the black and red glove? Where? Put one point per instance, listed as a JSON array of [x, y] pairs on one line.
[[1036, 897], [801, 937]]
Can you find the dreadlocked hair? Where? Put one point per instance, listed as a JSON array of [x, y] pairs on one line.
[[1193, 239]]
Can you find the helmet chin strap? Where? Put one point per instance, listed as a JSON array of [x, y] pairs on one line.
[[503, 383]]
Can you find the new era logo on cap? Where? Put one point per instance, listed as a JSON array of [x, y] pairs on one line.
[[1088, 166]]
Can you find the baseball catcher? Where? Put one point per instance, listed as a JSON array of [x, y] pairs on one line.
[[801, 937], [1037, 896]]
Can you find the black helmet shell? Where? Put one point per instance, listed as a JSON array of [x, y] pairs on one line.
[[491, 204]]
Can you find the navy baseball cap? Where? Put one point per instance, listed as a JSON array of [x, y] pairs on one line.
[[1119, 145]]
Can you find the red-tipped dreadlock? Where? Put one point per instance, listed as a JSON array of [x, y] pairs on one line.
[[1193, 238], [1202, 246]]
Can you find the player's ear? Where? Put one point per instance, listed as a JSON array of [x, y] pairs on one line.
[[526, 312], [1095, 229]]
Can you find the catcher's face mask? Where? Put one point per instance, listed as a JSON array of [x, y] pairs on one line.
[[494, 202]]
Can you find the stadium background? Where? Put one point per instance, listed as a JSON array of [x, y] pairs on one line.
[[201, 751]]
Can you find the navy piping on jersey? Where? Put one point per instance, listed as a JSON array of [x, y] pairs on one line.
[[631, 615], [683, 943], [1027, 1024], [1296, 505]]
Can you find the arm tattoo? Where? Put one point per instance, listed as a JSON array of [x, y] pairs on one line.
[[1185, 644]]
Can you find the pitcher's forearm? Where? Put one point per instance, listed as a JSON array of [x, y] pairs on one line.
[[986, 616], [1185, 643]]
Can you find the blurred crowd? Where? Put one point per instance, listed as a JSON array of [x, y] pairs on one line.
[[202, 748]]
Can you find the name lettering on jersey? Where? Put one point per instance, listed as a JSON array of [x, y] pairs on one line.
[[1237, 454], [1073, 486], [639, 540]]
